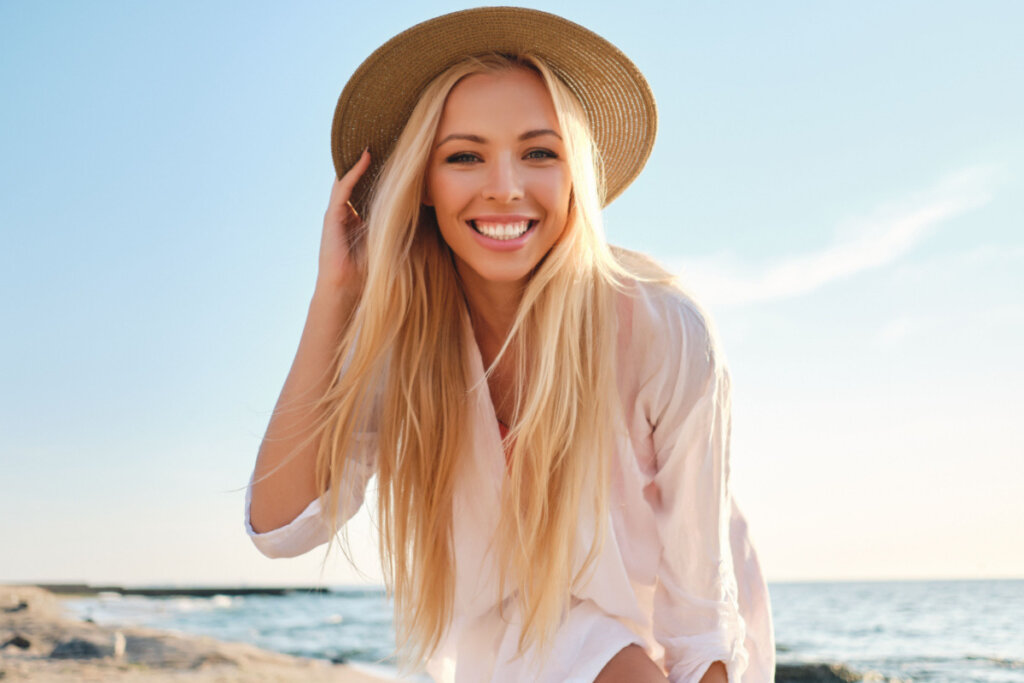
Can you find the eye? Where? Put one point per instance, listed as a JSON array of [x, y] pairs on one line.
[[462, 158], [541, 154]]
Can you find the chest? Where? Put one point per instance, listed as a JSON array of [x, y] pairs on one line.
[[502, 387], [502, 384]]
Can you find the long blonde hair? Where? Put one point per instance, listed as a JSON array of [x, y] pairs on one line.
[[400, 370]]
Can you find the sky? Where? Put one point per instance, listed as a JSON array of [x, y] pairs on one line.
[[840, 184]]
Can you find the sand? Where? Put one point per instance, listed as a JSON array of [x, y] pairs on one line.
[[39, 642]]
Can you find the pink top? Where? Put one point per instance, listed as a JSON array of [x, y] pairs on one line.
[[678, 574]]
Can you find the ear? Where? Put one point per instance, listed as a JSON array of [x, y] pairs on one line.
[[425, 197]]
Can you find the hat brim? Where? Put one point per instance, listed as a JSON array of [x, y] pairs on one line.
[[379, 97]]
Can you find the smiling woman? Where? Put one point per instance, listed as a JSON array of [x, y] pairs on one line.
[[547, 417], [497, 179]]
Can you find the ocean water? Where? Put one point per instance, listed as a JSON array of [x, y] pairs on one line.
[[934, 631]]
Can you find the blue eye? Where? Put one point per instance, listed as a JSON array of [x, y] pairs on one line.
[[461, 158], [541, 154]]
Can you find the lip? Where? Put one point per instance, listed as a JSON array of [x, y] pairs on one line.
[[503, 218], [503, 245]]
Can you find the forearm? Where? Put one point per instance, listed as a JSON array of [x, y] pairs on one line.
[[284, 494]]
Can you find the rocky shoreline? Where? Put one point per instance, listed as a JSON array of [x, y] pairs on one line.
[[39, 643]]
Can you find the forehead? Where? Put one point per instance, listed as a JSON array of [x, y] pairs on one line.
[[515, 99]]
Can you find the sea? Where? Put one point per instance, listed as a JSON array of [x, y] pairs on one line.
[[895, 631]]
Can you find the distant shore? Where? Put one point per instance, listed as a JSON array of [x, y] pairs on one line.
[[79, 589], [38, 642]]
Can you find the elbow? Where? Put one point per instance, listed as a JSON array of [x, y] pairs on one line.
[[257, 521], [265, 540], [292, 538]]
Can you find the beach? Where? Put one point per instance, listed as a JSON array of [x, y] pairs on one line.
[[39, 642], [826, 632]]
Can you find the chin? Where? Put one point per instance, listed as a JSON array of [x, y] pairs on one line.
[[504, 275]]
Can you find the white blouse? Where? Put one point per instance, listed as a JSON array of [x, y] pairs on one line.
[[678, 573]]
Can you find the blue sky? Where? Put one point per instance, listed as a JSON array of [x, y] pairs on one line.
[[841, 185]]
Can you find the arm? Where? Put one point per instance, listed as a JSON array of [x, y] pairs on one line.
[[278, 499], [297, 535], [687, 399]]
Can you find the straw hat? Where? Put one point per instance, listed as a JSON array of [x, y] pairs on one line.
[[381, 94]]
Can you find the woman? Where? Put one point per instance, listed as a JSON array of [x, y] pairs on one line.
[[548, 418]]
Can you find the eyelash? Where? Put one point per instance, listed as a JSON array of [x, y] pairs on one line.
[[548, 154], [463, 157]]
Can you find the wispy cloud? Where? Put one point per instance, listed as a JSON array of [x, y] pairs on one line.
[[896, 332], [892, 231]]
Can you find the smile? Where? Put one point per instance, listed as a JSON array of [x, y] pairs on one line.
[[502, 231]]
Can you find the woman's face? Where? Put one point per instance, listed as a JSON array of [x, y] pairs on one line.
[[497, 176]]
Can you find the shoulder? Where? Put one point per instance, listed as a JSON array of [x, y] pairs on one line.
[[659, 301], [666, 320], [668, 343]]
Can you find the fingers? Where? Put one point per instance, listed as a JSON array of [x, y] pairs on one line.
[[349, 180], [341, 191]]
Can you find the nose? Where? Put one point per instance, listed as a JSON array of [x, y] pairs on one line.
[[504, 183]]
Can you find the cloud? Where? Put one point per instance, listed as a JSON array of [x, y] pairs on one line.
[[862, 244], [896, 332]]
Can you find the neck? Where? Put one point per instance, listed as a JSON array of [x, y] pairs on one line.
[[492, 310]]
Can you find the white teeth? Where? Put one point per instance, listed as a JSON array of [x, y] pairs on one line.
[[502, 231]]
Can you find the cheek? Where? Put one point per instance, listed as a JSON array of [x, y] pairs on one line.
[[549, 187], [448, 191], [557, 194]]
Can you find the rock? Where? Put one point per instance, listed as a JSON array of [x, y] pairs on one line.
[[63, 650], [17, 641], [159, 650], [82, 648], [815, 673], [21, 601]]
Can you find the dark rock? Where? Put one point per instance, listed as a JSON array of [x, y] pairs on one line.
[[161, 651], [79, 648], [22, 605], [17, 641], [815, 673]]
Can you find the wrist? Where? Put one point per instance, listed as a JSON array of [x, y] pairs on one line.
[[332, 298]]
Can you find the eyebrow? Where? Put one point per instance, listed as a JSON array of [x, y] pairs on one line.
[[476, 138]]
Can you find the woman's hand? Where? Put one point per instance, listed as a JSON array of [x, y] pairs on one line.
[[340, 267]]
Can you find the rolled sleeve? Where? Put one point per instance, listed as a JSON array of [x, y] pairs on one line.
[[696, 610], [311, 528], [299, 536]]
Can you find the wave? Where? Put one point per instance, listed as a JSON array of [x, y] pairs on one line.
[[999, 662]]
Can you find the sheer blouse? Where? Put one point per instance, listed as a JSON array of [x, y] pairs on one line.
[[678, 574]]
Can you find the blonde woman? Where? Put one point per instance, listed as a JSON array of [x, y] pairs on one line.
[[547, 417]]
